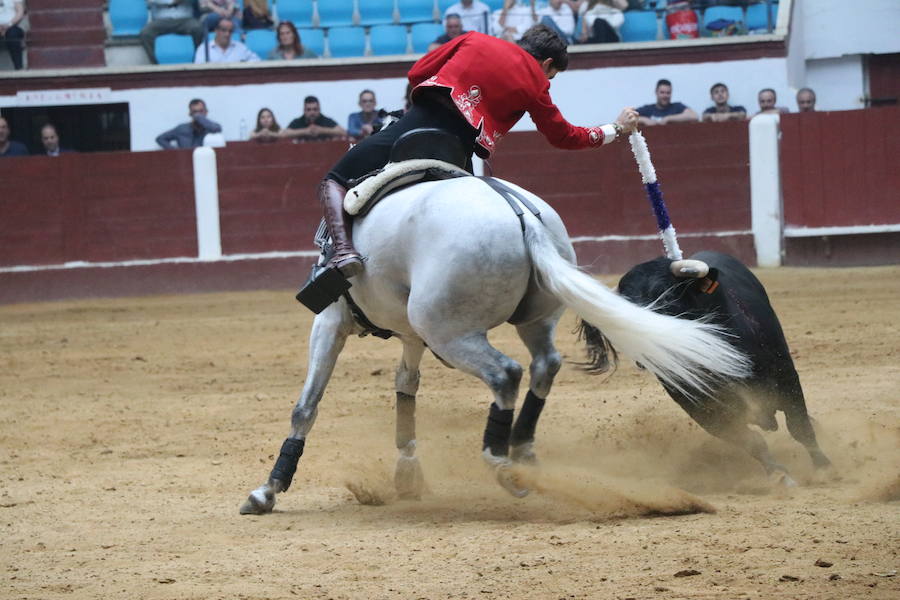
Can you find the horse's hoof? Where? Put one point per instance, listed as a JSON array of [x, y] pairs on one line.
[[408, 478], [260, 501], [506, 474], [509, 480], [523, 454]]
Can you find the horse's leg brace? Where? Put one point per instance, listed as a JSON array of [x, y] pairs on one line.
[[286, 465], [497, 431]]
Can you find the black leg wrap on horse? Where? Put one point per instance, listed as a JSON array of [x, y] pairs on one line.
[[286, 465], [527, 421], [496, 434]]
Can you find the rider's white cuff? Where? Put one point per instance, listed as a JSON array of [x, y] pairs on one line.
[[609, 133]]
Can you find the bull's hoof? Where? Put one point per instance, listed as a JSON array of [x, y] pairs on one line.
[[261, 501]]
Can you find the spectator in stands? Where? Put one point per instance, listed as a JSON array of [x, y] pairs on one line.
[[50, 140], [257, 15], [475, 15], [601, 20], [767, 102], [558, 15], [514, 19], [10, 147], [267, 127], [721, 110], [216, 10], [11, 14], [190, 134], [452, 28], [313, 126], [806, 100], [223, 48], [170, 16], [290, 45], [664, 110], [366, 122]]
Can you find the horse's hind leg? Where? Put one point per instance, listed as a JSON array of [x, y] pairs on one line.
[[545, 364], [329, 332], [408, 478], [471, 353]]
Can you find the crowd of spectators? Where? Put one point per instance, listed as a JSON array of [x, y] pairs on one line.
[[664, 111], [313, 126], [578, 21]]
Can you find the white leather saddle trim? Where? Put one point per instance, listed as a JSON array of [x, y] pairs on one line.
[[395, 175]]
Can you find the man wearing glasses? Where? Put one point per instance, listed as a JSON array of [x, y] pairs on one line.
[[364, 123], [222, 48], [170, 16]]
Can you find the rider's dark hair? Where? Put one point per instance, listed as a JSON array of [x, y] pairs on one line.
[[542, 43]]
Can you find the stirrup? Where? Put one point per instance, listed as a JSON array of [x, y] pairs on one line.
[[325, 286]]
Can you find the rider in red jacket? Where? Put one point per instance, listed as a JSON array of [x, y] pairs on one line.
[[475, 87]]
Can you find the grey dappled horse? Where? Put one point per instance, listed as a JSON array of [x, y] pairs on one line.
[[446, 262]]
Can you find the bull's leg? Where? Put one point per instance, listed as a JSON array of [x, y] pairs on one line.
[[471, 353], [545, 364], [725, 422], [408, 477], [791, 401], [329, 332]]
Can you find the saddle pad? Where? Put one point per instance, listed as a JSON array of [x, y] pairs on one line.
[[395, 175]]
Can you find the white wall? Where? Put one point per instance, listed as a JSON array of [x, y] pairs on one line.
[[834, 28]]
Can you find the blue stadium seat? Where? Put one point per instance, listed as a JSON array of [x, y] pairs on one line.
[[260, 41], [335, 13], [715, 13], [416, 11], [639, 26], [314, 39], [346, 41], [172, 48], [756, 16], [298, 12], [387, 39], [376, 12], [423, 34], [127, 17]]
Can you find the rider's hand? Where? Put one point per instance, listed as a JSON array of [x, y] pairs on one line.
[[628, 119]]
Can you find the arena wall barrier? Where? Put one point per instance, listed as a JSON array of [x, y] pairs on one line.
[[109, 224]]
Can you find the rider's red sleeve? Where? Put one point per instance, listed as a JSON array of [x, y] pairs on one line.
[[557, 130]]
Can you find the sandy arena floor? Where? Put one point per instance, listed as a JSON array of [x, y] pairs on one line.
[[133, 429]]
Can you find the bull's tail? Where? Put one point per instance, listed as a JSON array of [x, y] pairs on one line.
[[688, 355]]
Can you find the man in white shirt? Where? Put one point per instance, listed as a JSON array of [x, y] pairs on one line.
[[11, 13], [514, 19], [224, 49], [558, 16], [475, 15]]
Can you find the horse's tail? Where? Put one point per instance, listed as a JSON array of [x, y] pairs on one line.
[[686, 354]]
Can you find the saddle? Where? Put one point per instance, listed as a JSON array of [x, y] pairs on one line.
[[418, 155]]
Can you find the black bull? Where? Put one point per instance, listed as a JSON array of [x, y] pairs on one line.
[[733, 298]]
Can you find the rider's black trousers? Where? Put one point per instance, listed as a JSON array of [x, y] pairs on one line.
[[374, 151]]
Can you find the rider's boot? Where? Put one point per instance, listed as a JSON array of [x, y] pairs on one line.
[[346, 259]]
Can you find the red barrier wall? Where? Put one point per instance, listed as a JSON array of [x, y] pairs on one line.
[[97, 207], [702, 169], [267, 194], [839, 168]]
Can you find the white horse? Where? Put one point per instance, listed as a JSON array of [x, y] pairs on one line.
[[446, 262]]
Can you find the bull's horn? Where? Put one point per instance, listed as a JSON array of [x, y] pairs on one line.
[[689, 268]]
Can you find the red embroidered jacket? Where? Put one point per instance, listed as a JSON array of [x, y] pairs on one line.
[[493, 84]]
